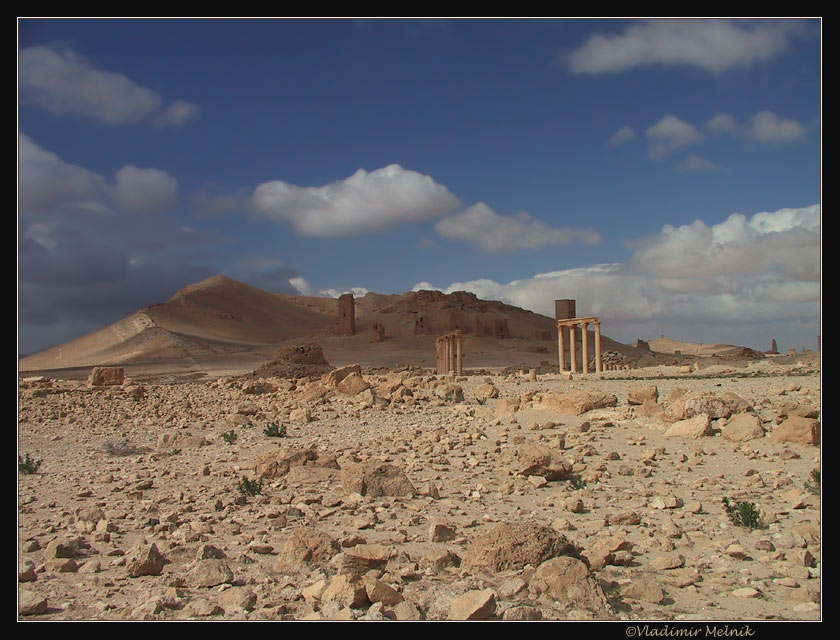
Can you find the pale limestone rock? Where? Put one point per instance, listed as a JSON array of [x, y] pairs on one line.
[[473, 605], [144, 560]]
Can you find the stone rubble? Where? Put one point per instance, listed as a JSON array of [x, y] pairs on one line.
[[410, 496]]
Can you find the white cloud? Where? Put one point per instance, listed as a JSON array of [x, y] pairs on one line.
[[177, 114], [363, 203], [736, 274], [301, 285], [47, 182], [669, 134], [494, 233], [713, 45], [722, 123], [66, 83], [766, 126], [358, 292], [145, 190], [695, 163], [623, 135]]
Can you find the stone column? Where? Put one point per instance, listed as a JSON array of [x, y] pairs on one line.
[[584, 346], [459, 352], [451, 339], [599, 366], [572, 350], [561, 347]]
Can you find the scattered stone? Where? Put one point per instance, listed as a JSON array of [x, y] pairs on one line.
[[144, 560], [473, 605], [692, 428], [31, 603], [798, 430]]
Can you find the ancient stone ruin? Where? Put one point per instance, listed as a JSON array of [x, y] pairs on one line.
[[567, 325], [346, 315], [449, 353], [377, 333]]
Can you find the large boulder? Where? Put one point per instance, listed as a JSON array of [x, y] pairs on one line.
[[353, 384], [334, 377], [640, 395], [376, 479], [144, 560], [693, 428], [307, 547], [534, 459], [574, 402], [512, 545], [743, 427], [797, 429], [691, 404], [569, 581]]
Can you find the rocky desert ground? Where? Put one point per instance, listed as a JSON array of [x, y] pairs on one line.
[[397, 494]]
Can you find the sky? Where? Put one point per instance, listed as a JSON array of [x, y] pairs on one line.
[[665, 174]]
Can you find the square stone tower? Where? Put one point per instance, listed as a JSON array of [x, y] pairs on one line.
[[347, 315]]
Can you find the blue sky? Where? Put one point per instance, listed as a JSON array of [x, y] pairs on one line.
[[665, 174]]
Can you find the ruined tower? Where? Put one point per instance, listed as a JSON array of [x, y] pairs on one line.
[[346, 315]]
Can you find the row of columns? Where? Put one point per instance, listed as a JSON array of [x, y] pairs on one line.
[[567, 326], [449, 353]]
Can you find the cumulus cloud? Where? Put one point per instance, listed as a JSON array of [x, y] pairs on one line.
[[712, 45], [301, 286], [625, 134], [669, 134], [177, 114], [145, 190], [766, 126], [722, 123], [494, 233], [47, 182], [66, 83], [743, 272], [363, 203]]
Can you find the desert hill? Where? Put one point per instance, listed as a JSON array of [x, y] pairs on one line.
[[222, 325]]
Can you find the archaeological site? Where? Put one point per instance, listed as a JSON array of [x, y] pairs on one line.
[[232, 454]]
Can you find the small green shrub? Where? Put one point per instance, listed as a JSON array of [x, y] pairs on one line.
[[274, 431], [743, 514], [229, 436], [577, 483], [27, 465], [250, 487], [815, 487]]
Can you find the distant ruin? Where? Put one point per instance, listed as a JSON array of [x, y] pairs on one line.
[[567, 325], [377, 333], [449, 353], [347, 315]]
